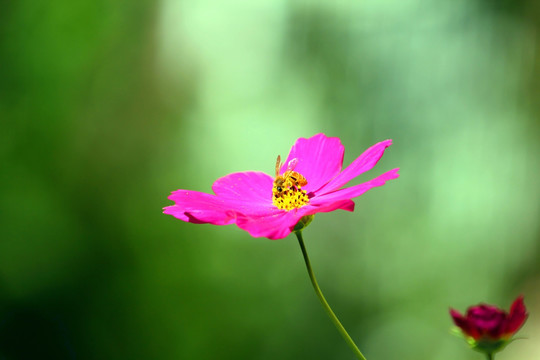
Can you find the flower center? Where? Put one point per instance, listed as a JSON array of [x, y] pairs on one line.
[[288, 199]]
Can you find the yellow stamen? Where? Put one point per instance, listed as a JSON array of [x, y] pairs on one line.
[[291, 198]]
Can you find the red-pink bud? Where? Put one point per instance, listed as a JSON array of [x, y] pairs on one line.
[[488, 327]]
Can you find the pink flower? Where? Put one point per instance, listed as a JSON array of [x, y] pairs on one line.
[[252, 201], [489, 323]]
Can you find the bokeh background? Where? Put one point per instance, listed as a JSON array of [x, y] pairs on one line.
[[108, 106]]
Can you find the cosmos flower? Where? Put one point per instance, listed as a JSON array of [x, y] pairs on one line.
[[265, 207], [488, 328]]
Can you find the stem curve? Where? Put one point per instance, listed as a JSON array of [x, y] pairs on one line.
[[324, 303]]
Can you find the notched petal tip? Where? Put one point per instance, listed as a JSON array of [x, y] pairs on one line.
[[200, 208], [354, 191], [365, 162], [386, 143]]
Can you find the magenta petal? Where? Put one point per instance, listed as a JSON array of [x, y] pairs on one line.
[[354, 191], [463, 323], [363, 163], [275, 225], [319, 159], [330, 206], [200, 208], [249, 192], [516, 318], [459, 319], [248, 186]]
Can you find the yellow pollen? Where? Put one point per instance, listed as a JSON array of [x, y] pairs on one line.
[[291, 198]]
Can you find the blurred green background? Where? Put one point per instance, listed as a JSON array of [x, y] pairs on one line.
[[108, 106]]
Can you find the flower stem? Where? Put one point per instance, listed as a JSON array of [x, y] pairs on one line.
[[329, 311], [490, 356]]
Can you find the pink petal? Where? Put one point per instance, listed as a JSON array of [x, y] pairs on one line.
[[247, 186], [200, 208], [277, 224], [363, 163], [457, 317], [274, 225], [518, 315], [354, 191], [319, 159], [249, 192], [463, 323], [329, 206]]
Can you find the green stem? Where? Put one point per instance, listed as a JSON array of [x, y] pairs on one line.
[[329, 311], [490, 356]]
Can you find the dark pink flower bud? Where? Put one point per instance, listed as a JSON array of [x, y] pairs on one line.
[[488, 327]]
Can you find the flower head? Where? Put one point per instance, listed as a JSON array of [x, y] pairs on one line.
[[310, 181], [488, 328]]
